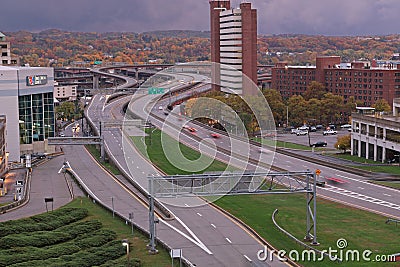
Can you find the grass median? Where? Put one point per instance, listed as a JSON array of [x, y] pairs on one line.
[[151, 146]]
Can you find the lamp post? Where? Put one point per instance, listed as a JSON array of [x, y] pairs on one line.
[[125, 243], [131, 219]]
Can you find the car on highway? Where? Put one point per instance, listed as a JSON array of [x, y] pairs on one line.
[[190, 129], [329, 132], [62, 134], [301, 133], [319, 144], [215, 135]]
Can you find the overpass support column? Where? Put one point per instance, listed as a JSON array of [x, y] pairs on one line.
[[384, 146], [137, 74], [96, 81]]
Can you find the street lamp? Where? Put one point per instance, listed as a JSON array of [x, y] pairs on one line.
[[125, 243], [131, 219]]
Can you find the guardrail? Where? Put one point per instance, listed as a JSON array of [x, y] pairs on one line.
[[158, 205], [95, 199]]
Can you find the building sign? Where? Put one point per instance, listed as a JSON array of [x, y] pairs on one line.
[[36, 80]]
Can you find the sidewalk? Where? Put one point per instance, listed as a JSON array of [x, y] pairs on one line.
[[46, 182]]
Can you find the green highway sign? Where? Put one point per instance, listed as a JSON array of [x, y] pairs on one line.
[[155, 91]]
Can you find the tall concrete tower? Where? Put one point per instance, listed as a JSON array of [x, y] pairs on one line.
[[234, 44]]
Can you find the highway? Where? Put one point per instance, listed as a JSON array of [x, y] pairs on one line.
[[357, 191], [208, 237], [199, 228]]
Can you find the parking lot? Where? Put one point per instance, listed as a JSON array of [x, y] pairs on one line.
[[314, 137]]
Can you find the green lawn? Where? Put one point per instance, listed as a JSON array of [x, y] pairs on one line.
[[349, 157], [282, 144], [361, 229], [155, 151], [78, 234]]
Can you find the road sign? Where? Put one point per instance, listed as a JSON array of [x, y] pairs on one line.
[[317, 171], [155, 90]]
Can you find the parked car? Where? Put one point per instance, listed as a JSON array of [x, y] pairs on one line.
[[319, 144], [294, 131], [319, 127], [303, 128], [328, 132], [313, 129], [301, 133], [345, 126]]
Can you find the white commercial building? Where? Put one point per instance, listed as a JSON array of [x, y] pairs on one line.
[[26, 98], [375, 135], [65, 92]]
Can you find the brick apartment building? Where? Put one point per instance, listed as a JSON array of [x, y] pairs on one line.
[[365, 81], [234, 45]]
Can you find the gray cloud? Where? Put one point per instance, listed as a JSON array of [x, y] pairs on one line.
[[339, 17]]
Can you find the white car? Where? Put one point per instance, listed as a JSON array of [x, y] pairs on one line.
[[332, 132], [301, 133], [345, 126]]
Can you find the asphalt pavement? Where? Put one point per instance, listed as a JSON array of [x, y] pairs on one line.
[[46, 182]]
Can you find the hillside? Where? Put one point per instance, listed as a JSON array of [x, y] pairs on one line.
[[61, 48]]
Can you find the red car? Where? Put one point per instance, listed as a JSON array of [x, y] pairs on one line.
[[190, 129], [215, 135]]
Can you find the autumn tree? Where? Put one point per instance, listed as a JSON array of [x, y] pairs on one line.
[[314, 90], [65, 110], [382, 105], [276, 105], [297, 107], [343, 143]]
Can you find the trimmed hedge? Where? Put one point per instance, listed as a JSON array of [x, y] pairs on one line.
[[47, 238], [86, 258], [19, 255], [43, 222]]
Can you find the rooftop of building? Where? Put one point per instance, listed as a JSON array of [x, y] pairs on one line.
[[2, 67]]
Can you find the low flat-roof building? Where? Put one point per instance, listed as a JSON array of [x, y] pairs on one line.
[[26, 98], [375, 135]]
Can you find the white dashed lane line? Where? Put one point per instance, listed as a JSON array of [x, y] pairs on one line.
[[362, 197]]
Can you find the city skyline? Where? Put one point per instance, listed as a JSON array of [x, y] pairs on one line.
[[315, 17]]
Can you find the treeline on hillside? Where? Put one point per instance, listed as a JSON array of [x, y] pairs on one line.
[[62, 48]]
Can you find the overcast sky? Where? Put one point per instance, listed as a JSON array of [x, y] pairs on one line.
[[327, 17]]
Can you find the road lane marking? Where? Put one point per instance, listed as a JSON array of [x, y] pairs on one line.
[[229, 241], [213, 226], [199, 214], [387, 195], [363, 198], [247, 258], [368, 183], [362, 188]]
